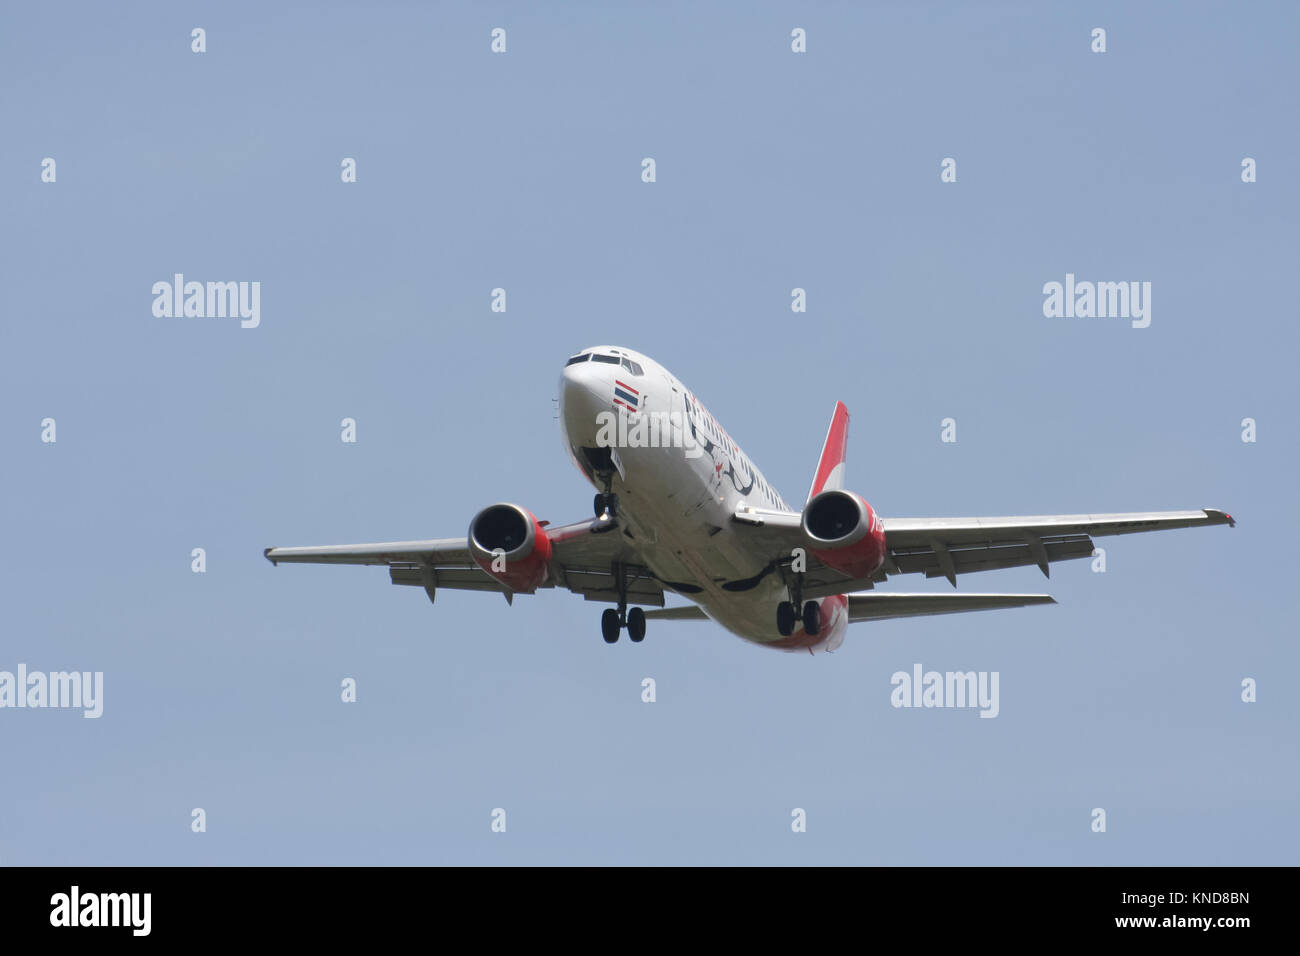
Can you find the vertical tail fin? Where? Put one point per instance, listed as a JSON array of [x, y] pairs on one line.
[[830, 469]]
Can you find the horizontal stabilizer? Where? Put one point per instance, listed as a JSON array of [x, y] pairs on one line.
[[879, 606], [688, 612]]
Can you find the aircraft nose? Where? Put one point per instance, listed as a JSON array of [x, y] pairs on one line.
[[584, 393]]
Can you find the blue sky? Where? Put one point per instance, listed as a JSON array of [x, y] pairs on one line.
[[522, 171]]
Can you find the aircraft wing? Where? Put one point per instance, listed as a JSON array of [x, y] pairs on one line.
[[453, 552], [947, 547], [583, 562], [950, 546]]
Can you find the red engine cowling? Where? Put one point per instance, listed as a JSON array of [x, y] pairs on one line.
[[845, 533], [508, 543]]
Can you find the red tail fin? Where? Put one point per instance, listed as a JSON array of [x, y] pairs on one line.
[[830, 470]]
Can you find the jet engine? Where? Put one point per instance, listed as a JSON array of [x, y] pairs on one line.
[[844, 533], [510, 544]]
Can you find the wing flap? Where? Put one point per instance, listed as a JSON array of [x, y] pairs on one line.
[[457, 579], [965, 559]]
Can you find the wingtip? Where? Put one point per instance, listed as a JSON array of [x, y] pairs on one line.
[[1222, 516], [266, 553]]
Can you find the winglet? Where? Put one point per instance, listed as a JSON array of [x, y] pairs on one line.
[[830, 469]]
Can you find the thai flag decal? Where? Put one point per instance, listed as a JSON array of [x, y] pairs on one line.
[[627, 396]]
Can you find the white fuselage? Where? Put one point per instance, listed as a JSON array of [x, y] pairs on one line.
[[678, 488]]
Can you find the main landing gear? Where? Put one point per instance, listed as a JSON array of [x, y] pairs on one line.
[[796, 610], [612, 621], [786, 618]]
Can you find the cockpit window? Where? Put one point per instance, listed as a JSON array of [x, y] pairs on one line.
[[636, 369], [607, 359], [578, 358], [633, 367]]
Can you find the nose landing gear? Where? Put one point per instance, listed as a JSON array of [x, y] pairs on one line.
[[605, 505]]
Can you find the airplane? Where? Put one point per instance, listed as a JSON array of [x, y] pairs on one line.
[[680, 508]]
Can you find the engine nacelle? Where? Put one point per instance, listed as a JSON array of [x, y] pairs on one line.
[[508, 543], [845, 533]]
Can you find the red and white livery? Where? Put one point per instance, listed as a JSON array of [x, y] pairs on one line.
[[680, 509]]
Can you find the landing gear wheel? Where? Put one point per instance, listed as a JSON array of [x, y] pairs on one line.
[[812, 618], [785, 618], [636, 625], [599, 504], [610, 625]]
